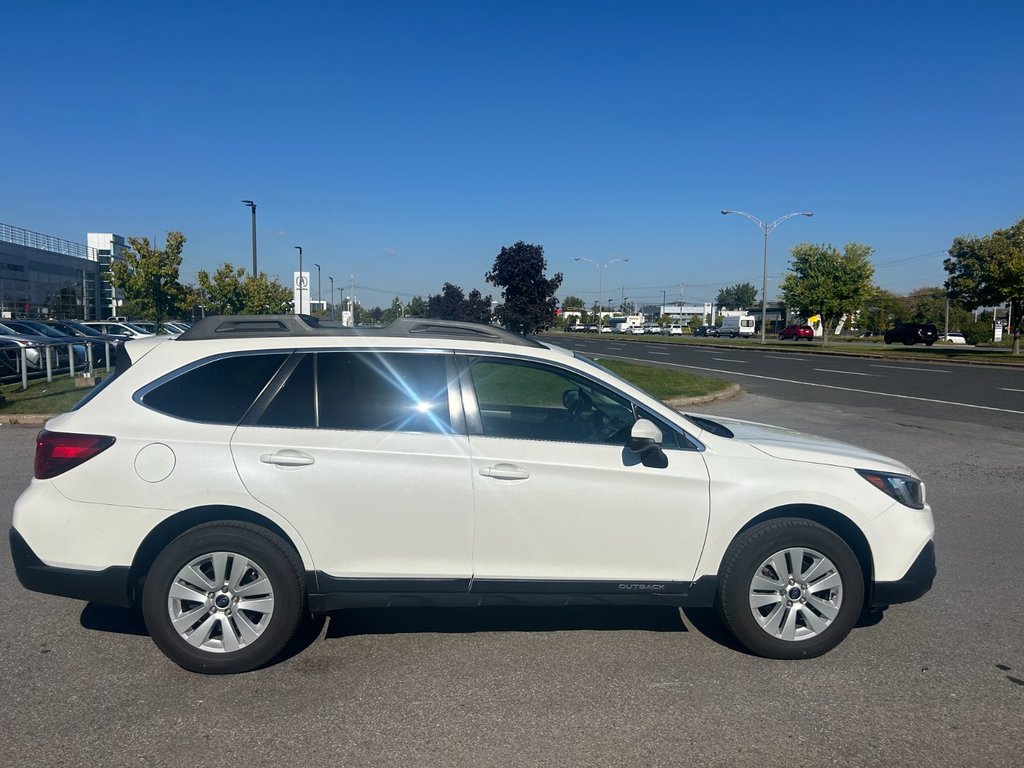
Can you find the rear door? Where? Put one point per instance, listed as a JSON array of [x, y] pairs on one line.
[[366, 455]]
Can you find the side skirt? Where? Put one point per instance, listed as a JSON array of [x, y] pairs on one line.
[[329, 593]]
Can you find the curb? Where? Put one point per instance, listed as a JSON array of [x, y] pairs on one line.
[[730, 392], [26, 418]]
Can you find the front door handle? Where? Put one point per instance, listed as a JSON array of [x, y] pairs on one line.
[[287, 458], [505, 472]]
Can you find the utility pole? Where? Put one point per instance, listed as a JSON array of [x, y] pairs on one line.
[[682, 291], [332, 295], [319, 293]]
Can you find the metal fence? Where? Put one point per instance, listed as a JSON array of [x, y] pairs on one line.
[[23, 360]]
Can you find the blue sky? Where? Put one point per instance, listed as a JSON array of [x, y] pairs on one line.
[[405, 142]]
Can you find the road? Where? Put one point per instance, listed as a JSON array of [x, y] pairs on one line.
[[938, 682], [970, 394]]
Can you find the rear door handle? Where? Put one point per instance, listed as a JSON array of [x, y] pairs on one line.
[[287, 458], [505, 472]]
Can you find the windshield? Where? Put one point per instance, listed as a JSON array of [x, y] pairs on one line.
[[81, 328], [43, 329]]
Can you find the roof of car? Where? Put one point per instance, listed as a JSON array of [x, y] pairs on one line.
[[263, 326]]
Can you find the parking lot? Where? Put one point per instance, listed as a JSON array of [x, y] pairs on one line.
[[937, 682]]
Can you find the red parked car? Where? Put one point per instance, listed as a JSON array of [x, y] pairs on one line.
[[796, 332]]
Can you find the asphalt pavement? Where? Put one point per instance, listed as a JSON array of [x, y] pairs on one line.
[[971, 394], [938, 682]]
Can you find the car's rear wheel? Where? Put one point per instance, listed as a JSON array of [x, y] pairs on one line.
[[790, 589], [223, 598]]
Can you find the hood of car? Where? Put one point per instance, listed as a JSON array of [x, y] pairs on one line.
[[790, 445]]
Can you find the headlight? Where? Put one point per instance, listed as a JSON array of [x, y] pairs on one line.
[[905, 489]]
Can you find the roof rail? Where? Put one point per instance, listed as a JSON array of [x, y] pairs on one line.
[[260, 326]]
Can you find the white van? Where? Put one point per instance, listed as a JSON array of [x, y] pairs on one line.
[[736, 325]]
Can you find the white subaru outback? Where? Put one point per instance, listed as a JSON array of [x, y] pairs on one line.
[[256, 470]]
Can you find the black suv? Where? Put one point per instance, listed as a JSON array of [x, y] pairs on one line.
[[912, 333]]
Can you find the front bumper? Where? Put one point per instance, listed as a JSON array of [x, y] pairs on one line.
[[109, 586], [916, 582]]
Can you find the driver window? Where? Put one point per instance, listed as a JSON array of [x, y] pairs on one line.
[[531, 401]]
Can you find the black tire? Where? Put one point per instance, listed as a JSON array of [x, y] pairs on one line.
[[743, 561], [928, 343], [270, 557]]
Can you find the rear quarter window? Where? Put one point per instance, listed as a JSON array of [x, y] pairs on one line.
[[219, 391]]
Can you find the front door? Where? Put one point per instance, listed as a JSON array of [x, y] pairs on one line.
[[560, 498]]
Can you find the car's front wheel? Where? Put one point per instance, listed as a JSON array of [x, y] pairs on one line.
[[790, 589], [223, 598]]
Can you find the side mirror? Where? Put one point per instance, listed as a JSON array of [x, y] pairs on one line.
[[645, 439]]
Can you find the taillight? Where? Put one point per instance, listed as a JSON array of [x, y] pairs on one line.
[[57, 452]]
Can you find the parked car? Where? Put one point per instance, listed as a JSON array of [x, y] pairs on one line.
[[652, 329], [636, 330], [202, 481], [675, 329], [912, 333], [124, 330], [31, 344], [100, 342], [953, 338], [705, 330], [51, 335], [38, 340], [797, 332]]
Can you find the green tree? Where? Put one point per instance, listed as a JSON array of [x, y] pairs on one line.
[[262, 296], [453, 304], [417, 307], [230, 291], [573, 303], [393, 312], [822, 281], [739, 296], [528, 296], [222, 291], [148, 277], [986, 271]]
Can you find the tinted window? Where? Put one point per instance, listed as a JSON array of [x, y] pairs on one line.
[[219, 392], [382, 391], [295, 404], [537, 402]]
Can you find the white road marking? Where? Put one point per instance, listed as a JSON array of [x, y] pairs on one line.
[[832, 386], [659, 353], [901, 368], [848, 373], [1007, 389], [727, 360]]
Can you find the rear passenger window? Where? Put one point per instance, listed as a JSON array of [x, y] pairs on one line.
[[218, 392], [382, 391]]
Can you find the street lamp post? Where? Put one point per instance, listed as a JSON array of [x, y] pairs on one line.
[[600, 283], [341, 300], [299, 281], [767, 228], [319, 293], [252, 205], [332, 295]]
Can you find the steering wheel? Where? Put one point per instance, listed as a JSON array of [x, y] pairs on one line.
[[577, 403]]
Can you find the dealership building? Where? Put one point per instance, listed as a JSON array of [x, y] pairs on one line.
[[43, 276]]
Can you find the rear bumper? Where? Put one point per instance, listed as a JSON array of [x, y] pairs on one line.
[[917, 581], [109, 586]]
